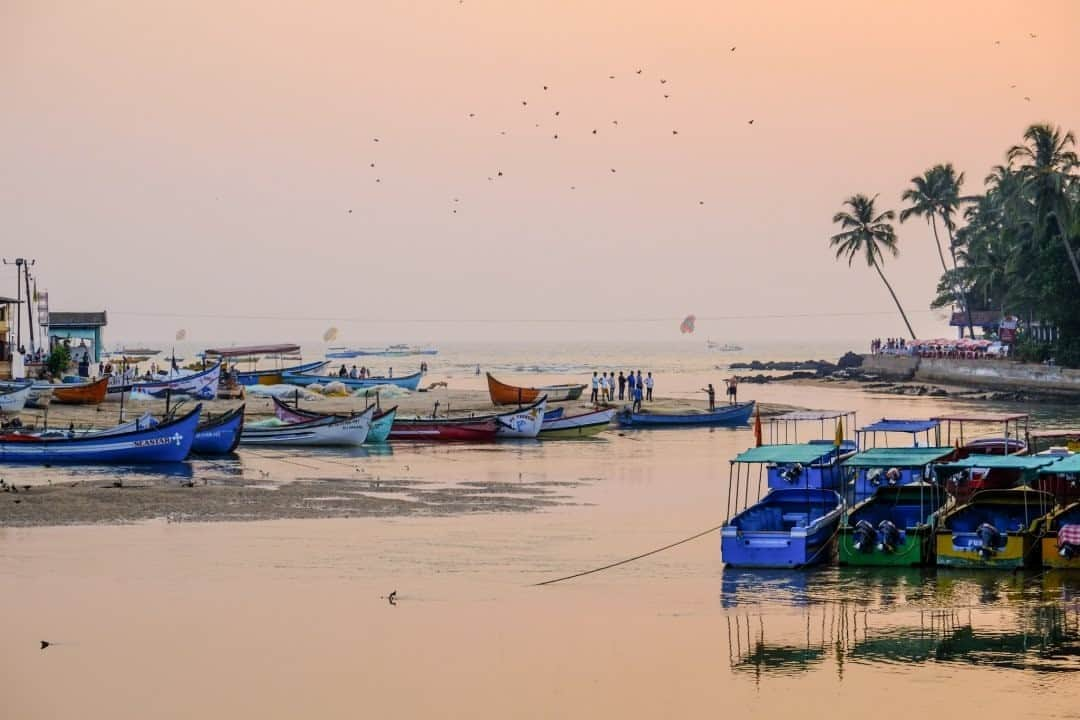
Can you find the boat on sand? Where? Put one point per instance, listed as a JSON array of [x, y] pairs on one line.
[[503, 394]]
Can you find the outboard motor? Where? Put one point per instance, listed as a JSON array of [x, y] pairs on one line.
[[874, 476], [890, 535], [1068, 539], [893, 476], [864, 536], [792, 473], [990, 537]]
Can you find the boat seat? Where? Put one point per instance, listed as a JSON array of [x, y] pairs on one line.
[[795, 519]]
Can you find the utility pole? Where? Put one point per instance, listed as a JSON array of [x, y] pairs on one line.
[[22, 274]]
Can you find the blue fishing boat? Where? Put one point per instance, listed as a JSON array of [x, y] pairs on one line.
[[787, 528], [165, 442], [381, 422], [202, 385], [274, 377], [220, 435], [555, 414], [795, 522], [728, 415], [408, 382]]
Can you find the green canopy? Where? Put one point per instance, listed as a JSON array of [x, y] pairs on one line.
[[1001, 462], [802, 453], [908, 457], [1063, 464]]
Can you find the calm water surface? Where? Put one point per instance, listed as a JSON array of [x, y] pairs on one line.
[[287, 619]]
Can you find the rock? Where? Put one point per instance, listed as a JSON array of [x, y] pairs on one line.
[[850, 360]]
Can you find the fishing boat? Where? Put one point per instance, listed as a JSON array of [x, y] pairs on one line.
[[328, 431], [722, 347], [342, 353], [408, 382], [503, 394], [965, 477], [892, 527], [1059, 440], [41, 394], [585, 425], [13, 397], [726, 415], [276, 377], [875, 468], [88, 393], [220, 435], [165, 442], [1014, 428], [445, 430], [1061, 541], [554, 413], [785, 529], [381, 421], [995, 529], [202, 385]]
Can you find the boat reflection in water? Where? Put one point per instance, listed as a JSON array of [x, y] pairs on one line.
[[831, 619]]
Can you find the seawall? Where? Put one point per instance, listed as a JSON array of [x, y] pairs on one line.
[[990, 374]]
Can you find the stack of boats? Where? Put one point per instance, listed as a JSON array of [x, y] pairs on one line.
[[983, 503]]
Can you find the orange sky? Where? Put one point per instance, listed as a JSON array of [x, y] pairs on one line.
[[202, 158]]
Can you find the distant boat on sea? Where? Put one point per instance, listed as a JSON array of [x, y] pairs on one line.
[[722, 347], [388, 351]]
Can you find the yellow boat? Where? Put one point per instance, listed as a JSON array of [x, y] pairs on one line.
[[1058, 552], [996, 529]]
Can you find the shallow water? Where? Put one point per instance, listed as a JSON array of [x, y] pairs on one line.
[[287, 618]]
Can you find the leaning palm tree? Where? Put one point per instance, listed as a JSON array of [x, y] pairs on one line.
[[925, 197], [867, 233], [1047, 171]]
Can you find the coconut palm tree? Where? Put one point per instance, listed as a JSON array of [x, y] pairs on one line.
[[1047, 170], [925, 198], [868, 233]]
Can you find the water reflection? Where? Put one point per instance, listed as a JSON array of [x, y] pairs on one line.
[[900, 617]]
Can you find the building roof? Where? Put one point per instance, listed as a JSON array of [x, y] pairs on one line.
[[77, 319], [9, 301], [982, 318]]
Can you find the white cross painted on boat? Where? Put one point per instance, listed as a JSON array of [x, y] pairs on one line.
[[177, 438]]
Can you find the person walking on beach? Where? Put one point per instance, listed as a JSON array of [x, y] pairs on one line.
[[595, 388], [622, 385], [712, 396], [648, 387], [637, 396], [732, 389], [630, 385]]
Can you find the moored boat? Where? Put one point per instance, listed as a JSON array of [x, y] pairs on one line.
[[202, 385], [328, 431], [13, 397], [924, 433], [165, 442], [1014, 428], [892, 527], [1061, 541], [277, 377], [889, 467], [503, 394], [726, 415], [381, 422], [965, 477], [1060, 476], [408, 382], [787, 528], [220, 435], [583, 425], [444, 430], [995, 529], [523, 423], [89, 393]]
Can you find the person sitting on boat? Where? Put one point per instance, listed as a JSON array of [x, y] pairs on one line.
[[712, 396], [353, 373], [342, 371], [732, 389]]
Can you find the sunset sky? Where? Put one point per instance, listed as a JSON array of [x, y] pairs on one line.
[[205, 164]]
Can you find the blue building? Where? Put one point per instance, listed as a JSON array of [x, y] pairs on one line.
[[82, 330]]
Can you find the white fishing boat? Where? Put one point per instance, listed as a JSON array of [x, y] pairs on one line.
[[13, 397], [328, 431]]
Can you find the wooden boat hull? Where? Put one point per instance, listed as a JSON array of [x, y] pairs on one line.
[[525, 423], [325, 432], [91, 393], [577, 426], [202, 385], [381, 422], [444, 431], [41, 394], [165, 442], [503, 394], [277, 377], [13, 398], [408, 382], [731, 415], [219, 436]]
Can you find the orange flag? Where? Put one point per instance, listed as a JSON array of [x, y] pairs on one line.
[[757, 426]]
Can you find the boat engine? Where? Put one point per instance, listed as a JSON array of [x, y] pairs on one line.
[[1068, 550], [864, 536], [890, 535], [990, 537], [874, 476], [792, 473], [893, 475]]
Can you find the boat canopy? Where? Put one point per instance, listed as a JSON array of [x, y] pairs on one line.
[[982, 417], [904, 426], [1002, 462], [811, 415], [784, 454], [243, 351], [916, 457], [1055, 434], [1064, 465]]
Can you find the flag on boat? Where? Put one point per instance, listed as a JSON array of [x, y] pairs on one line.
[[757, 426], [839, 439]]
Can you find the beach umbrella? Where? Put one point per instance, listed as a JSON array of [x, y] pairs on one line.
[[687, 325], [181, 334], [330, 335]]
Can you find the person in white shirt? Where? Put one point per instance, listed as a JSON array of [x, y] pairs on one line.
[[604, 387], [648, 387], [595, 386]]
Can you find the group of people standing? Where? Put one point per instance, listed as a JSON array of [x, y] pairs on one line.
[[629, 387]]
